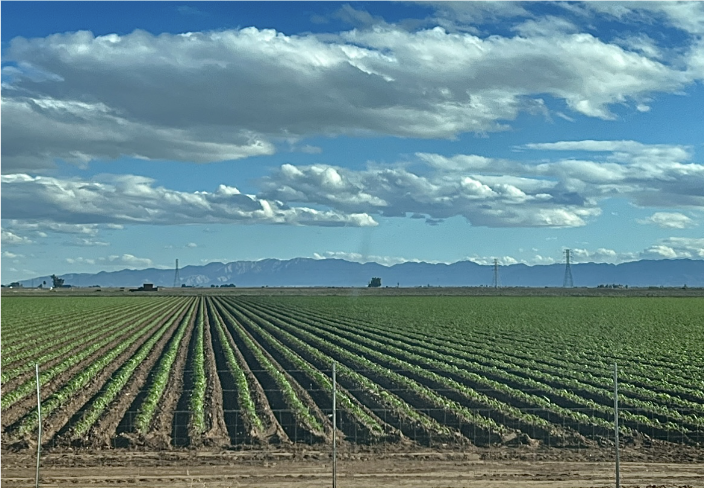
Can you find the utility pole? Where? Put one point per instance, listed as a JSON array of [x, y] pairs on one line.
[[568, 283], [177, 278], [495, 283]]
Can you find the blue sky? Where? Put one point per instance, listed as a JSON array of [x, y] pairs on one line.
[[136, 133]]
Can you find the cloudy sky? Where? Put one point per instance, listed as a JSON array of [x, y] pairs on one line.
[[137, 133]]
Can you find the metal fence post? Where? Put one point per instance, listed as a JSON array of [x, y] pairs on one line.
[[39, 433], [334, 427], [618, 470]]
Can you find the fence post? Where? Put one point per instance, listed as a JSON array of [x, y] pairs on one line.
[[616, 442], [334, 427], [39, 434]]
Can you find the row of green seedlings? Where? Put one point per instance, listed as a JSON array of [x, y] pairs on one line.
[[196, 401], [625, 354], [160, 380], [34, 339], [567, 375], [121, 328], [388, 400], [676, 379], [322, 381], [252, 422], [72, 341], [651, 376], [123, 375], [500, 368], [27, 331], [409, 362], [425, 356], [481, 426], [575, 375], [584, 374], [300, 411], [439, 360], [78, 382]]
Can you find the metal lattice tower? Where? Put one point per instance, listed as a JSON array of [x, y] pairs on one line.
[[496, 282], [177, 278], [568, 283]]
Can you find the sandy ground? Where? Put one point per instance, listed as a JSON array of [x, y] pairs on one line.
[[314, 469]]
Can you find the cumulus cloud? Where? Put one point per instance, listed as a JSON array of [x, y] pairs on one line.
[[489, 260], [675, 248], [126, 260], [11, 255], [395, 192], [363, 258], [132, 95], [504, 193], [669, 220], [12, 239], [87, 242], [40, 228], [114, 200]]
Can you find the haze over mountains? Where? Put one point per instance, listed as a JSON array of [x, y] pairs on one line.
[[337, 272]]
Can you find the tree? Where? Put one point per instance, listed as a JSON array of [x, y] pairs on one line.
[[58, 282], [375, 283]]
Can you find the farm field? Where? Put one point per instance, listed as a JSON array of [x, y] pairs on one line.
[[434, 372]]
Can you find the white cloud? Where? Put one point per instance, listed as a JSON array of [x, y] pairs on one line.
[[675, 248], [669, 220], [80, 260], [12, 239], [40, 228], [87, 242], [126, 260], [11, 255], [363, 258], [191, 245], [129, 199], [489, 260], [483, 200], [110, 96]]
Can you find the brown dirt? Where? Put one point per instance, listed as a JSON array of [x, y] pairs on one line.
[[351, 425], [18, 410], [103, 431], [394, 417], [315, 435], [273, 431], [163, 419], [216, 429], [60, 417], [355, 469]]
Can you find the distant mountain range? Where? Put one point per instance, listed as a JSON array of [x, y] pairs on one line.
[[337, 272]]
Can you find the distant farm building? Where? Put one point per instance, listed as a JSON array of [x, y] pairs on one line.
[[146, 287]]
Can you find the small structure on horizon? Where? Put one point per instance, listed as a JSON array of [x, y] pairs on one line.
[[146, 287]]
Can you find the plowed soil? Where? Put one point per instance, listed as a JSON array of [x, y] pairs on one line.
[[285, 469]]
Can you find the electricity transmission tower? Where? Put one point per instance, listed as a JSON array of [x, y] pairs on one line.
[[568, 283], [177, 278], [496, 283]]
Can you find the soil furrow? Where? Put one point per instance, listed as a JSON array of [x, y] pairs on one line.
[[56, 421], [103, 432]]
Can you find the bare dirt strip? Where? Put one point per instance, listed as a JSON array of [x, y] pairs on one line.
[[273, 432], [282, 469], [103, 432]]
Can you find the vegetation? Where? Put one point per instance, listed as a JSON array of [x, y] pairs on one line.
[[432, 369]]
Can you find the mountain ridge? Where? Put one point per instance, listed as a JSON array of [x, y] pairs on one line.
[[309, 272]]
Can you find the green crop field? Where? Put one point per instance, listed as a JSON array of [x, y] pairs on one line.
[[235, 370]]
